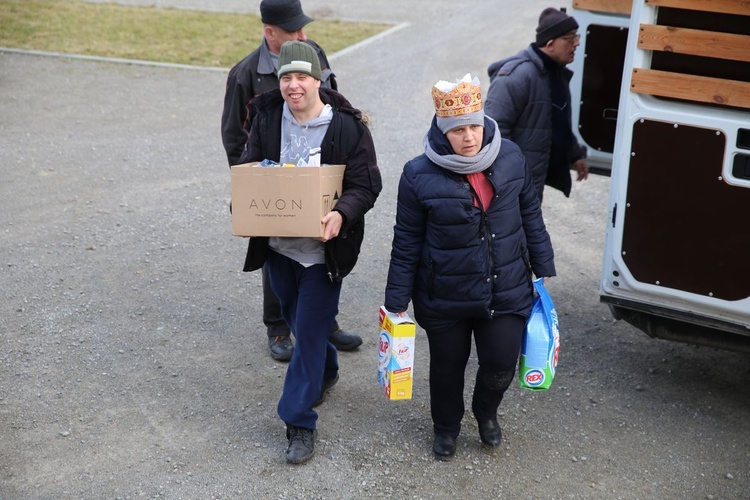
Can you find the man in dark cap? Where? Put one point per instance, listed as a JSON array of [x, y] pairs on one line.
[[529, 98], [283, 21]]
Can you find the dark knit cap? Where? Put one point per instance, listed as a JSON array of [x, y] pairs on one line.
[[286, 14], [552, 24], [299, 57]]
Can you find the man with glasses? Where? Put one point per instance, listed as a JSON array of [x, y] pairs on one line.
[[529, 98], [283, 21]]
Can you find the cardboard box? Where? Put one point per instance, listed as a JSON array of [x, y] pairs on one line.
[[283, 201], [396, 354]]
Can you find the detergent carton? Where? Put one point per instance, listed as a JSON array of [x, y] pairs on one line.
[[396, 354]]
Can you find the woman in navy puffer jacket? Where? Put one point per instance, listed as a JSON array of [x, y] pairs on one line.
[[469, 233]]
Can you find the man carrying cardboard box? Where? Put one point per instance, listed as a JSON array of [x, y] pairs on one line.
[[283, 20], [306, 273]]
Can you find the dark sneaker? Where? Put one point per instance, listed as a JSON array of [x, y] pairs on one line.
[[344, 341], [281, 348], [301, 444], [327, 384]]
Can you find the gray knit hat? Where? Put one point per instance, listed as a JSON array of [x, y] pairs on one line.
[[447, 124], [552, 24], [299, 57]]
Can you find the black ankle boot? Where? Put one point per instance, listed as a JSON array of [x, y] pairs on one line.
[[489, 432], [444, 446]]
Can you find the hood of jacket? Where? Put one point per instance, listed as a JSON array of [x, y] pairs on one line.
[[442, 146]]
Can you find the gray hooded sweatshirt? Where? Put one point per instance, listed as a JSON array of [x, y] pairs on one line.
[[297, 144]]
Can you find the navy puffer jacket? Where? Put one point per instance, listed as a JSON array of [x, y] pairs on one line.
[[456, 261], [520, 100]]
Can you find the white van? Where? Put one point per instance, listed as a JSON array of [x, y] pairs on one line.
[[677, 251]]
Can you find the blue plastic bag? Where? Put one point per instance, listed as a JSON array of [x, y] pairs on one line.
[[541, 342]]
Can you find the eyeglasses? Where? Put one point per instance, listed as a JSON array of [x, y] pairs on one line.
[[571, 38]]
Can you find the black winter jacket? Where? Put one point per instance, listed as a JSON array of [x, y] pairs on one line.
[[244, 83], [520, 101], [456, 261], [347, 142]]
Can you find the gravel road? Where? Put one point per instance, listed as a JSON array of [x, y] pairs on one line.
[[132, 356]]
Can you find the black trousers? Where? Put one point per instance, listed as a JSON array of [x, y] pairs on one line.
[[498, 343], [275, 324]]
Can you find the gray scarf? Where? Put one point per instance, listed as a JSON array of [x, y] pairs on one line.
[[467, 164]]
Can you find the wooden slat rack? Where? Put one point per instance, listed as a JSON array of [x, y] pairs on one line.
[[607, 6], [700, 43]]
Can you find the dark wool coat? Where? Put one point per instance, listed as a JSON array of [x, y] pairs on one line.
[[244, 83], [346, 142], [520, 101], [456, 261]]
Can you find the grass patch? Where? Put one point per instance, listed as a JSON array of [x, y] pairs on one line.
[[152, 33]]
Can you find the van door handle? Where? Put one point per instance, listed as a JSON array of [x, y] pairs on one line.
[[609, 114]]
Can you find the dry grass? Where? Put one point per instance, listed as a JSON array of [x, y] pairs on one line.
[[151, 33]]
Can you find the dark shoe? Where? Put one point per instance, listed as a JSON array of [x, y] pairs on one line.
[[281, 347], [344, 341], [489, 432], [327, 384], [301, 444], [444, 447]]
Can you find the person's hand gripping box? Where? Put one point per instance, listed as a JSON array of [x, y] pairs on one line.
[[396, 354]]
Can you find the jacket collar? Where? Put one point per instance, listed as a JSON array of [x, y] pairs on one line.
[[265, 60], [536, 56]]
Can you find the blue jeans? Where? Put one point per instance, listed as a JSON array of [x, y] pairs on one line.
[[272, 318], [309, 304]]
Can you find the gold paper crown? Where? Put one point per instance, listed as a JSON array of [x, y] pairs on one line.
[[465, 98]]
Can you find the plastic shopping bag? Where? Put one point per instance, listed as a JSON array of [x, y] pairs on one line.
[[541, 343]]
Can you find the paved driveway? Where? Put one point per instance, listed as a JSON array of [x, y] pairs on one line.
[[132, 358]]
